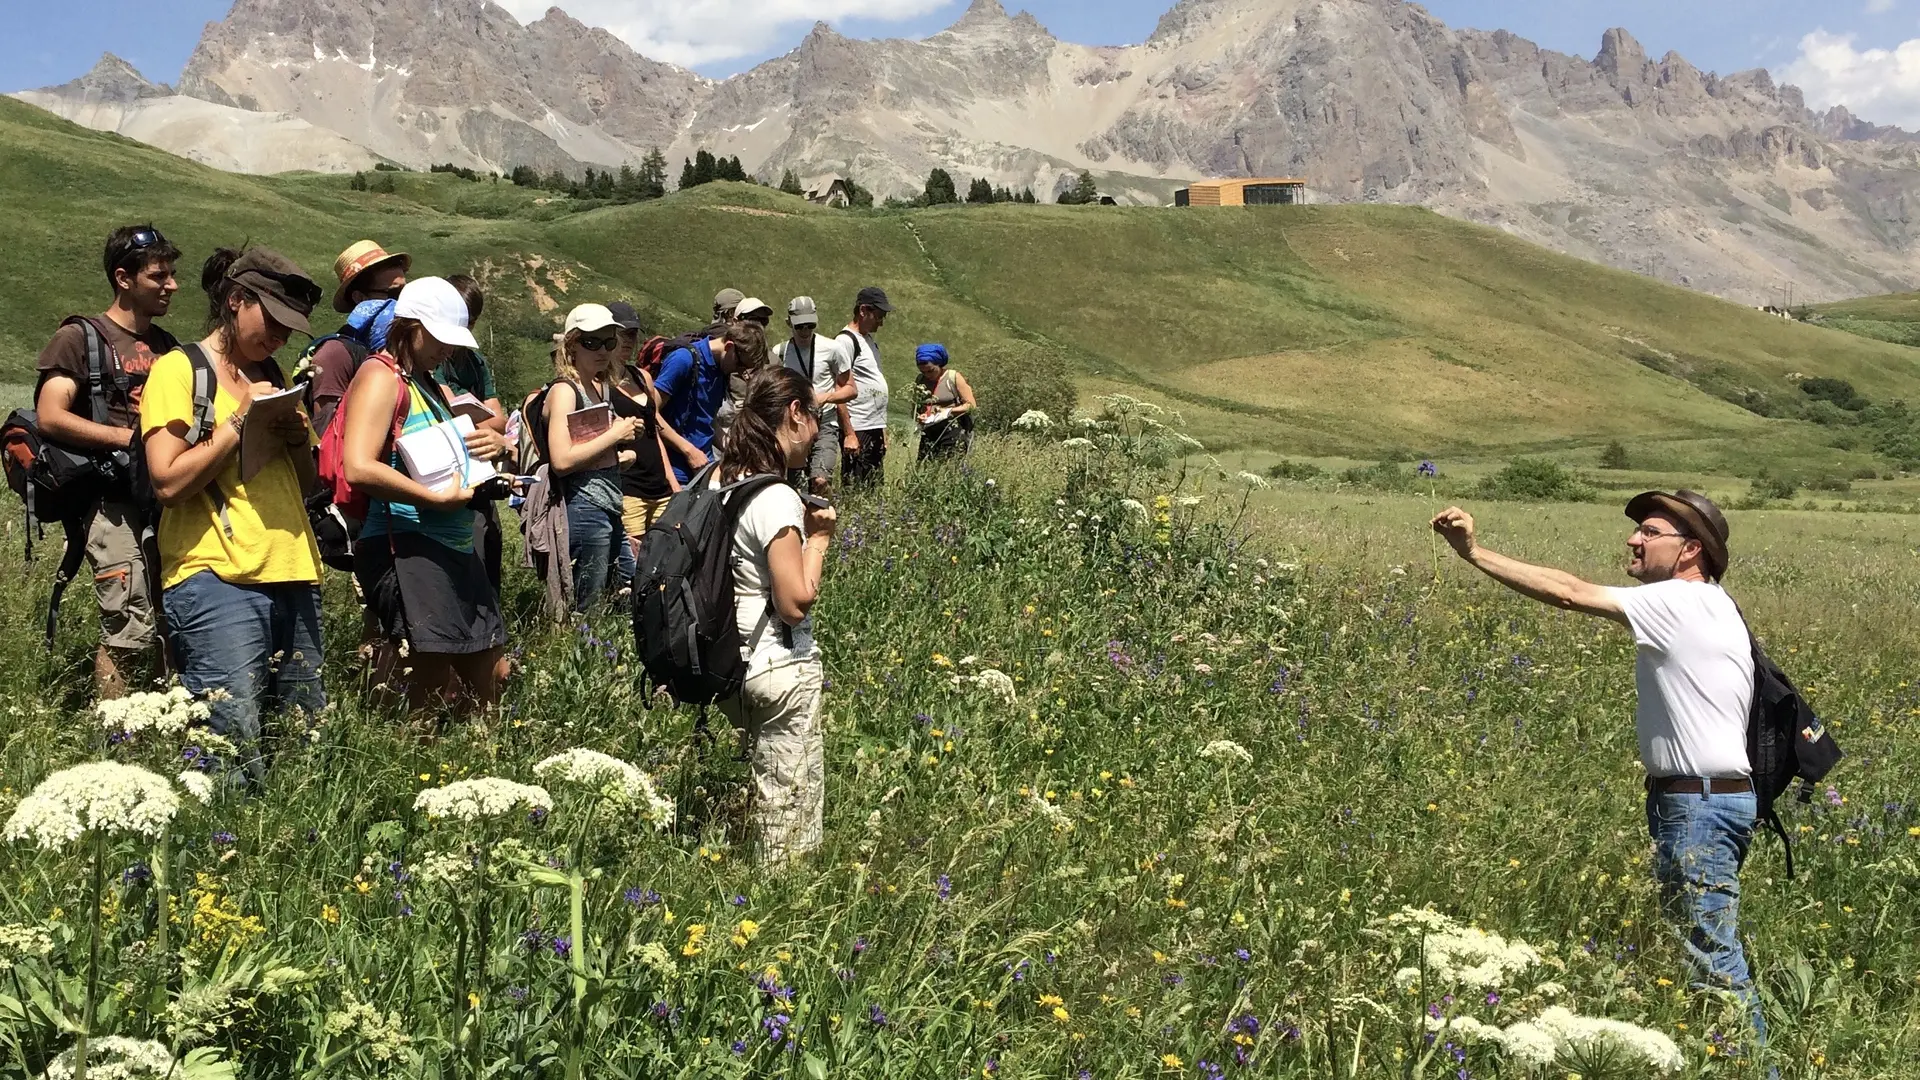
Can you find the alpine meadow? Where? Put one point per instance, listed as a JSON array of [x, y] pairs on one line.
[[1163, 737]]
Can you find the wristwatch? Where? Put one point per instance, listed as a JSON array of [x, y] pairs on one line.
[[238, 422]]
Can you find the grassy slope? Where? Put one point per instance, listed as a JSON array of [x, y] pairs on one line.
[[1330, 330], [1894, 317]]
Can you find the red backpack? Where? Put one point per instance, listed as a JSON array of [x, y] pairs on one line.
[[655, 351], [337, 510]]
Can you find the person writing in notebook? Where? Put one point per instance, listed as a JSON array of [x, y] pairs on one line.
[[587, 445], [239, 568], [415, 559]]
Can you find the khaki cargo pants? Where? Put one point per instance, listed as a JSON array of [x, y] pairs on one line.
[[778, 715], [120, 581]]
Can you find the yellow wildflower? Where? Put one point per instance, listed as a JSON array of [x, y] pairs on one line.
[[1060, 1014], [330, 914], [1171, 1061], [1049, 999], [696, 933]]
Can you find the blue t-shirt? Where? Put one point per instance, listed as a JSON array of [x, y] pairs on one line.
[[695, 388], [452, 528]]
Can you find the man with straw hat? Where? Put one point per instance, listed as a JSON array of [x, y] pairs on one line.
[[1694, 673], [366, 271]]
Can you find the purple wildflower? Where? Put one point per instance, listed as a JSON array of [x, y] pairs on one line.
[[876, 1016]]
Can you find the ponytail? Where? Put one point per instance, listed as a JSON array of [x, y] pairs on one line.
[[220, 290], [752, 443]]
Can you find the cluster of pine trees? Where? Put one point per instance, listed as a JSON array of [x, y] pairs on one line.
[[941, 191], [704, 168], [628, 185]]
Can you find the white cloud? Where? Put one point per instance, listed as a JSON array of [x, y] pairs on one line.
[[692, 32], [1879, 85]]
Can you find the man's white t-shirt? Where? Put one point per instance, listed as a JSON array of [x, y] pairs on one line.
[[868, 409], [766, 637], [824, 360], [1694, 673]]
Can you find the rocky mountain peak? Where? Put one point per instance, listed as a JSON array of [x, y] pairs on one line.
[[981, 11], [111, 80], [1622, 58]]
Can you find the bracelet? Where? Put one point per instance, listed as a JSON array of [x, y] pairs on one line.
[[237, 422]]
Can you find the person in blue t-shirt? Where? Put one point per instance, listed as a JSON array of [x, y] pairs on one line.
[[693, 385]]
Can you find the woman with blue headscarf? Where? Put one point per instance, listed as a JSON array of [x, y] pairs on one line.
[[945, 405]]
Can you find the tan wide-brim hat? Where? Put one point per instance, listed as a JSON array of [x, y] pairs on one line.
[[1693, 512], [363, 256]]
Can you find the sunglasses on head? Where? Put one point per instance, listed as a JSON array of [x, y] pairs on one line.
[[595, 343], [298, 289], [145, 238]]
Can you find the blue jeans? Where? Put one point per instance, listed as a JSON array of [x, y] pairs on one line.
[[258, 643], [597, 543], [1699, 842]]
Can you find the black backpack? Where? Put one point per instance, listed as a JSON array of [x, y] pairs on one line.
[[1785, 742], [62, 485], [533, 426], [684, 610]]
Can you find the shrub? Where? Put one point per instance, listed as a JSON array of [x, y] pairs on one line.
[[1295, 470], [1615, 456], [1381, 476], [1536, 480], [1837, 391], [1770, 488], [1012, 378]]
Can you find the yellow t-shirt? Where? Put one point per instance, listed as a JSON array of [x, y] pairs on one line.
[[271, 539]]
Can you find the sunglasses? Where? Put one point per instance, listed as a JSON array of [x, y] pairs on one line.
[[146, 238], [597, 344], [1649, 532], [296, 288]]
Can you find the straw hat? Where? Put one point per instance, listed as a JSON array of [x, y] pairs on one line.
[[363, 256]]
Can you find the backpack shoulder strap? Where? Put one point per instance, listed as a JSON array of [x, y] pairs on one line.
[[98, 364], [205, 389], [852, 339]]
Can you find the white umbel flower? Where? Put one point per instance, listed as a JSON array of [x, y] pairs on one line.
[[1134, 507], [1523, 1042], [1078, 443], [1227, 750], [1591, 1038], [610, 776], [1471, 957], [19, 942], [482, 797], [100, 795], [198, 784], [1253, 480], [1033, 420], [995, 682], [168, 712], [112, 1057]]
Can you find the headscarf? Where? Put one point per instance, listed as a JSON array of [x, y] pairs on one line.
[[368, 323], [931, 354]]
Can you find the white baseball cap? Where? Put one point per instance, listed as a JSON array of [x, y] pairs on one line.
[[591, 317], [752, 305], [439, 307], [801, 312]]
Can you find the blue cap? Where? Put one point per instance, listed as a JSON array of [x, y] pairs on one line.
[[931, 354]]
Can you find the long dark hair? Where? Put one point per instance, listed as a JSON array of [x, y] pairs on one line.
[[752, 444], [222, 317]]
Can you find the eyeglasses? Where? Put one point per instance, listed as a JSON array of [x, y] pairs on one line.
[[145, 238], [1648, 532], [597, 344]]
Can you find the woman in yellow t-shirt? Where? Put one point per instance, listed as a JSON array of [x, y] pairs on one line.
[[240, 571]]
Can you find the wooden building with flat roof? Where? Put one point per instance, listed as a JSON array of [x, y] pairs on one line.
[[1261, 191]]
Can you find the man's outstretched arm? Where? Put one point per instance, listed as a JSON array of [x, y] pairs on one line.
[[1543, 583]]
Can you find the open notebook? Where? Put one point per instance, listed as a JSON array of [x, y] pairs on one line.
[[434, 455]]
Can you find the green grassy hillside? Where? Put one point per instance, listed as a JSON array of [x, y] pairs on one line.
[[1353, 331], [1894, 317]]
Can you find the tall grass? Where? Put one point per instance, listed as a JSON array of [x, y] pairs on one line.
[[1078, 877]]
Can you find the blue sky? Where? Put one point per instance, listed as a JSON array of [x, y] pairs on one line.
[[52, 42]]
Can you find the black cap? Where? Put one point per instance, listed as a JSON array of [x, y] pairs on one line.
[[874, 297], [623, 315], [1693, 512]]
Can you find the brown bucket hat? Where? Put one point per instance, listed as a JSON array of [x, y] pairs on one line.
[[1694, 513], [284, 289]]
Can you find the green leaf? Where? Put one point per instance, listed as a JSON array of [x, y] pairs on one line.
[[205, 1064], [816, 1067]]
